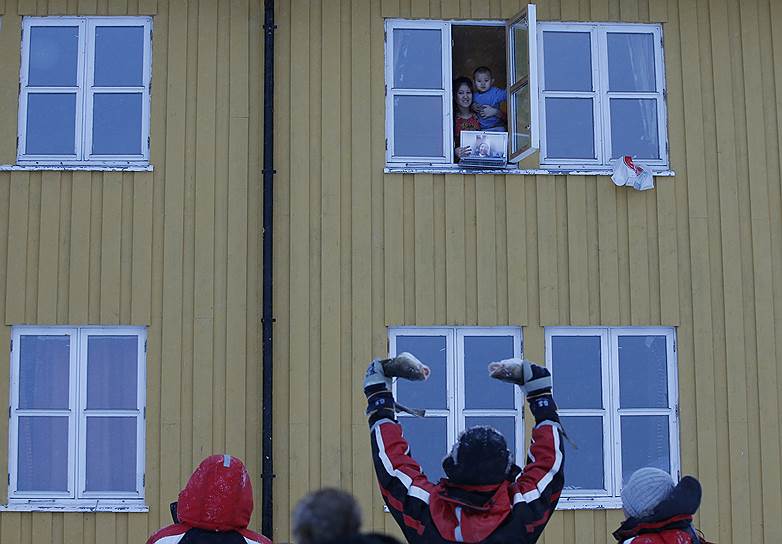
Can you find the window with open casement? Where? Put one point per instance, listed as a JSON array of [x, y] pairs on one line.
[[577, 95], [422, 59]]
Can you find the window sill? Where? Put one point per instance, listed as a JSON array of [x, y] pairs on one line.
[[75, 167], [600, 503], [390, 169], [54, 505]]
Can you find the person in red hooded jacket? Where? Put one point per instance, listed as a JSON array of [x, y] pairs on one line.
[[485, 497], [214, 507], [659, 511]]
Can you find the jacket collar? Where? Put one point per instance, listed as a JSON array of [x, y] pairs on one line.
[[469, 513], [633, 527]]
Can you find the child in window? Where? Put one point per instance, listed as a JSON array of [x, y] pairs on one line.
[[487, 100]]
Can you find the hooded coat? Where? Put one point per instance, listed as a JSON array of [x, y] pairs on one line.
[[514, 511], [214, 507], [670, 522]]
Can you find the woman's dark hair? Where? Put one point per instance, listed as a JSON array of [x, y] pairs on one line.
[[458, 82]]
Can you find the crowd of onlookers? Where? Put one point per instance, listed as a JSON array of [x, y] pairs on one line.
[[485, 497]]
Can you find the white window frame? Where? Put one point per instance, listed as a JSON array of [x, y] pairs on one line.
[[601, 95], [610, 495], [455, 385], [444, 92], [76, 498], [85, 91], [527, 16]]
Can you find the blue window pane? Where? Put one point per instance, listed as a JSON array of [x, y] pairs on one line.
[[53, 56], [584, 468], [42, 454], [481, 391], [645, 443], [634, 128], [428, 438], [505, 425], [418, 61], [116, 124], [112, 372], [643, 372], [44, 372], [111, 454], [430, 394], [577, 371], [631, 62], [119, 56], [51, 124], [567, 61], [418, 126], [570, 128]]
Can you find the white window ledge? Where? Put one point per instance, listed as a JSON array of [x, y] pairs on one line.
[[389, 169], [79, 167], [54, 505], [598, 503]]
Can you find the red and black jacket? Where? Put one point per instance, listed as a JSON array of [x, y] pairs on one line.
[[513, 511], [214, 507], [670, 522]]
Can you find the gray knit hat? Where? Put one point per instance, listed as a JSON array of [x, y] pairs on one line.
[[645, 489]]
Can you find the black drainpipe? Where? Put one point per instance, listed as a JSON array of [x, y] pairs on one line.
[[267, 474]]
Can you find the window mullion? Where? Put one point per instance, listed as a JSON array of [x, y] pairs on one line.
[[456, 380], [88, 79], [616, 424], [601, 88], [80, 423]]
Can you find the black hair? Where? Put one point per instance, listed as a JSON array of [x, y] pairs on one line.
[[458, 82], [482, 70], [480, 456]]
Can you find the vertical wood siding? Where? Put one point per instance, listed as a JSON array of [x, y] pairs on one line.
[[177, 250], [357, 250]]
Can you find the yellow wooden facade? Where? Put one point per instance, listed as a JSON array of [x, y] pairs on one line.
[[176, 249], [357, 250]]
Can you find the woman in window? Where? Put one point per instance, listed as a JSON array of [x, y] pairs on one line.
[[464, 119]]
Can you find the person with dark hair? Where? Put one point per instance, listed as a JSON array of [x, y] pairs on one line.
[[485, 497], [214, 507], [326, 516], [659, 512], [464, 118]]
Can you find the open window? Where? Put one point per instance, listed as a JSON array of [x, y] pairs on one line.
[[522, 85], [422, 60]]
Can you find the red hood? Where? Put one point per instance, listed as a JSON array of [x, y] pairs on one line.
[[218, 496], [475, 521]]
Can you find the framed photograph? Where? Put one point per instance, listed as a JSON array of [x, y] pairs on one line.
[[485, 144]]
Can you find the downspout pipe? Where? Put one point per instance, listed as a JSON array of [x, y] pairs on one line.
[[267, 319]]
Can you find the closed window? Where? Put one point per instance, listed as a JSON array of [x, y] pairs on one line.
[[77, 416], [459, 393], [601, 94], [617, 395], [84, 94]]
